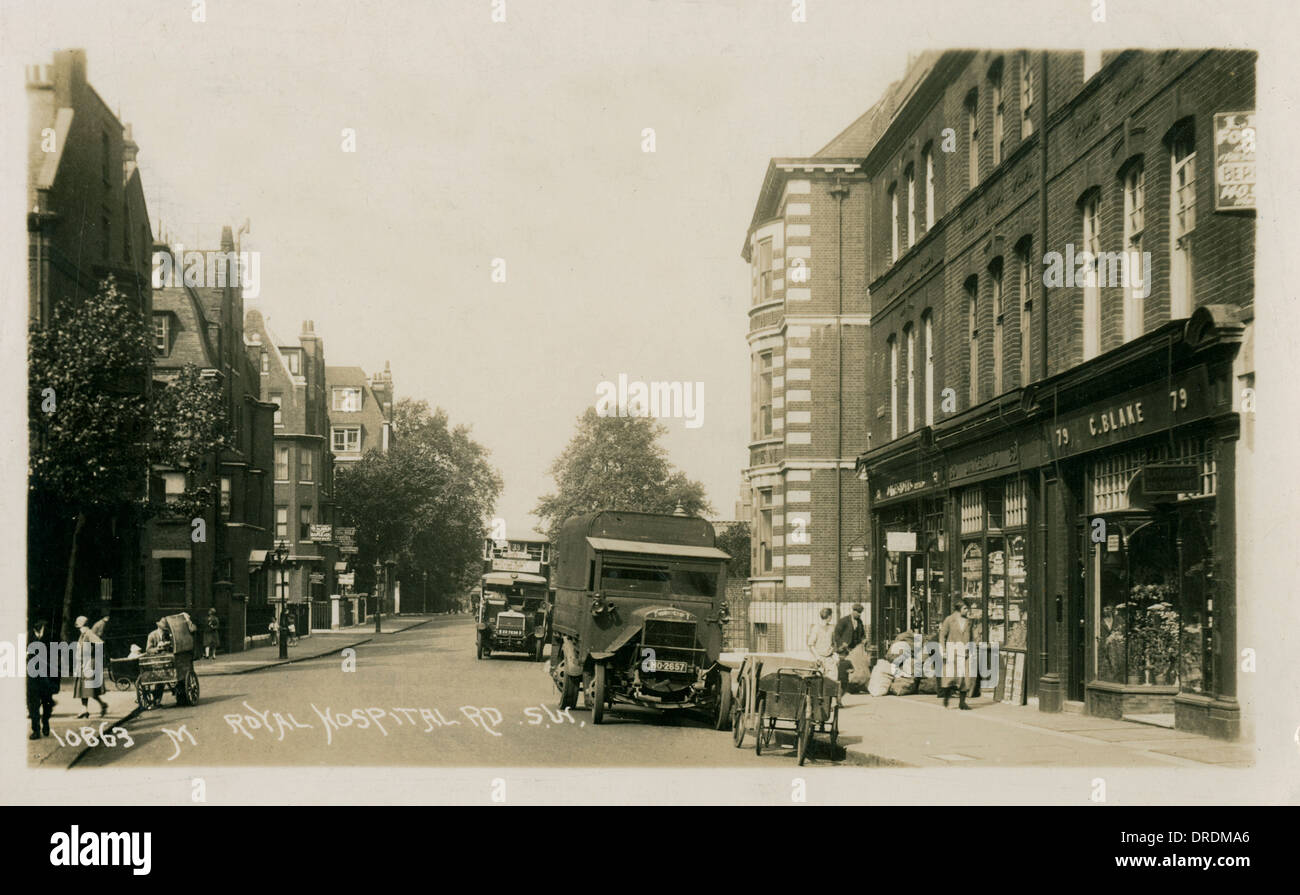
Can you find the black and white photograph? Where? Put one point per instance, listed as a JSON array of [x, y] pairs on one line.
[[743, 402]]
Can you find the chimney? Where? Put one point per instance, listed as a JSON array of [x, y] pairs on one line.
[[129, 151]]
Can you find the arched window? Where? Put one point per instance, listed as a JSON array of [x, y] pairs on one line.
[[1026, 96], [999, 128], [1025, 270], [972, 287], [1182, 216], [927, 336], [910, 177], [973, 137], [1133, 177], [893, 223], [909, 343], [928, 155], [893, 387], [995, 280], [1090, 247]]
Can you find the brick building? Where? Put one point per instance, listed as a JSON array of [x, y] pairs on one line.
[[1059, 440], [86, 220], [360, 412], [292, 377], [203, 326]]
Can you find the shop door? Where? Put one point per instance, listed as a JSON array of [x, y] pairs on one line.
[[1076, 617], [917, 602]]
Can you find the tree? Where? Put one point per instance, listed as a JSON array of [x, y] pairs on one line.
[[616, 462], [88, 414], [733, 539], [189, 426], [425, 503]]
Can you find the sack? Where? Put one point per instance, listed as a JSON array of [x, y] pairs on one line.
[[928, 685], [881, 677], [860, 672], [903, 686]]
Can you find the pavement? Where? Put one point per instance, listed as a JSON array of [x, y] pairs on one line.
[[917, 731], [67, 741]]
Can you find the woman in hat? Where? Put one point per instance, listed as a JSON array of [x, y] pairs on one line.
[[211, 634], [89, 683]]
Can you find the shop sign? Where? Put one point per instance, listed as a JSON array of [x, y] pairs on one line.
[[347, 579], [887, 489], [322, 533], [900, 541], [1184, 478], [1134, 414], [987, 462], [1234, 161], [317, 577], [1112, 543]]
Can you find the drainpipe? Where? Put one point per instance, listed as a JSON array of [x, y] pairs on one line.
[[839, 192]]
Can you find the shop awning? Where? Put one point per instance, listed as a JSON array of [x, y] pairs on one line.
[[686, 550], [257, 557]]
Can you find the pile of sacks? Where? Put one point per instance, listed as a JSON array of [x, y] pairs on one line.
[[897, 673]]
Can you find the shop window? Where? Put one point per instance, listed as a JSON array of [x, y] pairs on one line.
[[972, 510]]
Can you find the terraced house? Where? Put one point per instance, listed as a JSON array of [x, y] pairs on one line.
[[1061, 283]]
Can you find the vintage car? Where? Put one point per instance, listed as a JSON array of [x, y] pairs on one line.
[[638, 615], [513, 614]]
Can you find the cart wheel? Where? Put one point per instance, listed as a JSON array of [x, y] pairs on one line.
[[738, 717], [722, 715], [145, 698], [596, 695], [122, 683], [761, 734], [569, 693], [187, 692], [804, 726]]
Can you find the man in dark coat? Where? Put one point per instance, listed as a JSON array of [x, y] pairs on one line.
[[42, 686], [849, 632]]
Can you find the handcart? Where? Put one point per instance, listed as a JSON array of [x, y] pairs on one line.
[[776, 690], [172, 670]]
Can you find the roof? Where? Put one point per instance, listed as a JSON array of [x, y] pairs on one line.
[[686, 550], [859, 137], [345, 376]]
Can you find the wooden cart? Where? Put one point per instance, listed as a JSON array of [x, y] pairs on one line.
[[171, 670], [778, 690]]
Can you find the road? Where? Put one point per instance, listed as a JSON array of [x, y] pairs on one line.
[[415, 698]]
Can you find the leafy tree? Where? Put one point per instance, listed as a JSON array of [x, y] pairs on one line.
[[189, 426], [734, 540], [88, 413], [616, 462], [424, 504]]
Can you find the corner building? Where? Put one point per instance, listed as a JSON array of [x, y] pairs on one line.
[[1064, 452]]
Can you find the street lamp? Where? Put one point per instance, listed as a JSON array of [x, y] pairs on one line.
[[279, 561], [379, 594]]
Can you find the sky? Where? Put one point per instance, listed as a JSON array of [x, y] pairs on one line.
[[519, 140]]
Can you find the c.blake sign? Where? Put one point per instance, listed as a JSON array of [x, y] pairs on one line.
[[1142, 411]]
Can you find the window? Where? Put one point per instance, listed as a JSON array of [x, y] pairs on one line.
[[1091, 283], [346, 439], [893, 387], [972, 326], [765, 394], [765, 529], [972, 138], [927, 327], [304, 464], [282, 522], [929, 187], [106, 168], [173, 486], [910, 175], [171, 582], [999, 130], [1026, 97], [225, 497], [304, 522], [278, 400], [1134, 275], [1015, 506], [266, 362], [764, 270], [282, 463], [972, 510], [161, 335], [909, 340], [294, 359], [1024, 257], [1182, 196], [995, 278], [347, 399], [893, 223]]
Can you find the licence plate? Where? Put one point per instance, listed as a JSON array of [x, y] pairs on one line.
[[670, 665]]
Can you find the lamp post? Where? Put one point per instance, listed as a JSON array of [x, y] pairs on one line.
[[279, 560], [379, 594]]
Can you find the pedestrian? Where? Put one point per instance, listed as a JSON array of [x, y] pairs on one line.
[[41, 687], [84, 686], [821, 643], [100, 626], [849, 632], [274, 628], [211, 634], [159, 641], [953, 636]]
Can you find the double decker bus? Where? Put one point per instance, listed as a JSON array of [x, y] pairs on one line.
[[514, 611]]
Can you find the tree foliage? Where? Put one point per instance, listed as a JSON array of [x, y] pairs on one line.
[[734, 540], [189, 426], [424, 504], [615, 462]]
